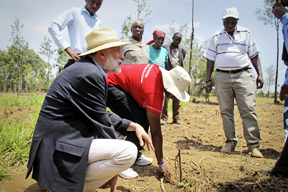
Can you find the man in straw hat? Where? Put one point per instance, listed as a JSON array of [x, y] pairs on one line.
[[74, 144], [137, 94], [232, 50]]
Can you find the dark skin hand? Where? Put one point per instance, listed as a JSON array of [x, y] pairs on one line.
[[278, 8], [75, 56], [157, 140], [112, 183]]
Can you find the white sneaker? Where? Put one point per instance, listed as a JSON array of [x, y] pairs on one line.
[[142, 160], [128, 174]]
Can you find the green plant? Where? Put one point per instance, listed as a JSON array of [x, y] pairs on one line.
[[3, 173]]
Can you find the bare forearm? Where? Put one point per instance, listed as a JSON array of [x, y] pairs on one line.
[[158, 144], [209, 68], [257, 65]]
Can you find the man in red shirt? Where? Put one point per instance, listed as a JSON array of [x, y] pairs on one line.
[[137, 94]]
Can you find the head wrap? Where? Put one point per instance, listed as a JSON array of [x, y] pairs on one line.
[[156, 34], [137, 21]]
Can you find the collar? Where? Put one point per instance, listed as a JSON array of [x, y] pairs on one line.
[[85, 10], [136, 42], [100, 68]]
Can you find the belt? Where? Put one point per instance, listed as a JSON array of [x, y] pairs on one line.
[[233, 71]]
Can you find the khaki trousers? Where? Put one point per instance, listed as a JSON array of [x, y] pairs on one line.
[[107, 158], [241, 87], [175, 109]]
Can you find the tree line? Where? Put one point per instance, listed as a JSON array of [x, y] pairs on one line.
[[22, 69]]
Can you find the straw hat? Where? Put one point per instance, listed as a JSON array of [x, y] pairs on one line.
[[177, 81], [102, 38]]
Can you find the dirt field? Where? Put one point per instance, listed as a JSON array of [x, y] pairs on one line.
[[204, 168]]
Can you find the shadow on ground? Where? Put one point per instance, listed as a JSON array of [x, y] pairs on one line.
[[254, 183], [268, 153]]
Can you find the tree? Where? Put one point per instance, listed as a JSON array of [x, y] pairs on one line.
[[33, 65], [142, 9], [271, 76], [198, 67], [61, 59], [47, 51], [21, 46], [267, 16]]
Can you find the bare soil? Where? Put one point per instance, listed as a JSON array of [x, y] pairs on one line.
[[204, 168]]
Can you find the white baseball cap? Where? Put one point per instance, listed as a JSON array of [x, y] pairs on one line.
[[231, 12]]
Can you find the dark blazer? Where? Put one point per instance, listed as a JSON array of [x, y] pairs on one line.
[[182, 53], [72, 115]]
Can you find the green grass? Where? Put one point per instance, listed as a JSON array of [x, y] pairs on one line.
[[30, 99], [16, 133]]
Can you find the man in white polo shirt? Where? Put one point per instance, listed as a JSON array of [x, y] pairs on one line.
[[231, 50]]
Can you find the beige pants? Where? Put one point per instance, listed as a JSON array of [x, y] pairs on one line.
[[107, 158], [241, 87]]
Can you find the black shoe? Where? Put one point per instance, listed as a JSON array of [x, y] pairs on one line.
[[273, 172], [177, 121], [164, 122]]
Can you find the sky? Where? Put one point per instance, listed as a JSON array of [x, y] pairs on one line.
[[37, 15]]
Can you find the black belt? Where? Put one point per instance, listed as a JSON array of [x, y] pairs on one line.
[[233, 71]]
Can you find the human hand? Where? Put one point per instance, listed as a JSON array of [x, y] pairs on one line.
[[75, 56], [208, 87], [112, 182], [283, 92], [141, 134], [166, 172], [278, 9], [259, 82]]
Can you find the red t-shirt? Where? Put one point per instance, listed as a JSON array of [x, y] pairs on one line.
[[144, 82]]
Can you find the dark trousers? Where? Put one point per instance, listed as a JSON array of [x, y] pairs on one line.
[[175, 109], [122, 103], [282, 163]]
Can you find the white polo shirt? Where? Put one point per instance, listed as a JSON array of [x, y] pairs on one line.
[[229, 53]]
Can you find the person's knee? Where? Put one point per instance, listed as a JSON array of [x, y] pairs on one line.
[[129, 154]]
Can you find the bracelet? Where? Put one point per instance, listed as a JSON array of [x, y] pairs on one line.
[[161, 165], [207, 80]]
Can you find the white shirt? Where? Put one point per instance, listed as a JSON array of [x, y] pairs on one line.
[[229, 53], [79, 22]]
